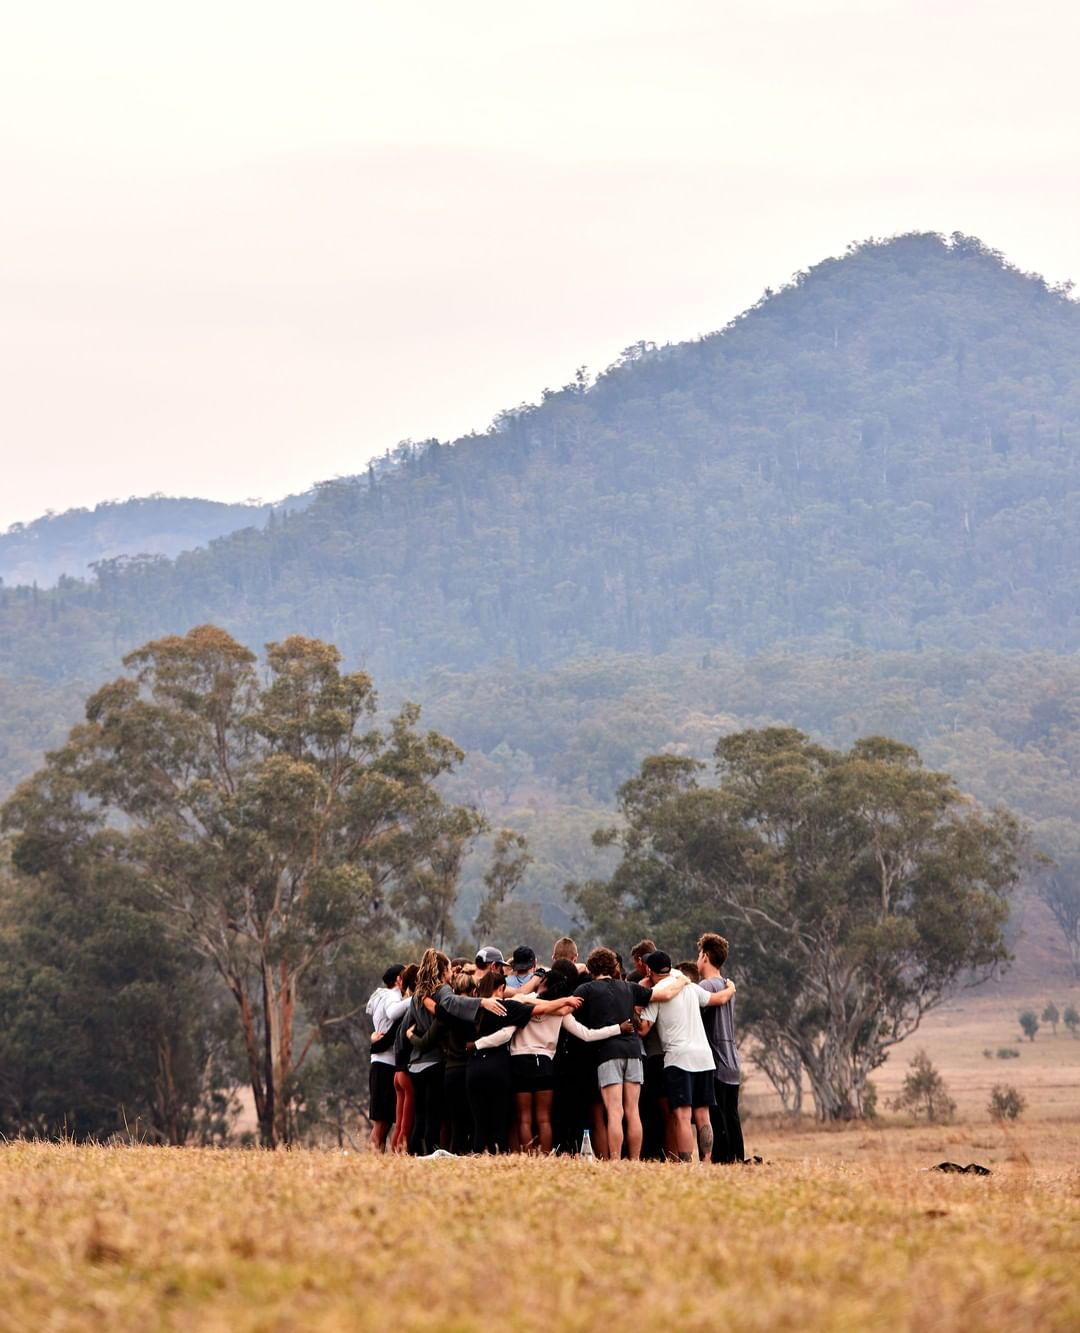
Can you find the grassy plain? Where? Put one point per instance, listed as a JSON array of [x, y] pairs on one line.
[[139, 1238]]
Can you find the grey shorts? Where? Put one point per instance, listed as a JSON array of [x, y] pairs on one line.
[[619, 1071]]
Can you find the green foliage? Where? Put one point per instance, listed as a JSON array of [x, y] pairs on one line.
[[924, 1092], [1071, 1019], [1051, 1015], [509, 861], [1008, 1053], [863, 889], [271, 818], [1029, 1023], [1006, 1102], [109, 1023]]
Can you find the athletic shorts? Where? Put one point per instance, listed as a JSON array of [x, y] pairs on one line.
[[383, 1098], [619, 1071], [689, 1089], [532, 1073]]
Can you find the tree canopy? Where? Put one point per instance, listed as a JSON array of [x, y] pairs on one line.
[[863, 887], [278, 828]]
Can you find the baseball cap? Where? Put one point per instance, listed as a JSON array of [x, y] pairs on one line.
[[658, 961], [523, 957], [488, 955]]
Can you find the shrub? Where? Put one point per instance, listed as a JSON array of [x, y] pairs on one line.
[[924, 1092], [1029, 1022], [1008, 1053], [1071, 1018], [1006, 1102], [1050, 1015], [988, 1054]]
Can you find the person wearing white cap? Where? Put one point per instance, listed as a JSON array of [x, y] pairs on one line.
[[487, 959]]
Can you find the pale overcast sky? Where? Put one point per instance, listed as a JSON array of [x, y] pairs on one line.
[[245, 246]]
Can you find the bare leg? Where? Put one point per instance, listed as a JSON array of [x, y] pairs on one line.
[[704, 1128], [544, 1101], [631, 1097], [613, 1105], [684, 1134], [599, 1130], [379, 1131], [524, 1120]]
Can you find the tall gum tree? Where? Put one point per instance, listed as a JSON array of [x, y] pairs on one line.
[[272, 817], [859, 890]]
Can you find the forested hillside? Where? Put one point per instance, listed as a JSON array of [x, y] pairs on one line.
[[854, 509], [884, 453], [72, 542]]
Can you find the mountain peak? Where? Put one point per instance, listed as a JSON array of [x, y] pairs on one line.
[[883, 453]]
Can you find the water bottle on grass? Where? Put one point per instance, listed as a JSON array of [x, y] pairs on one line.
[[587, 1154]]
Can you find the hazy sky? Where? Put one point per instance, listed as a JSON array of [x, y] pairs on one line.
[[245, 246]]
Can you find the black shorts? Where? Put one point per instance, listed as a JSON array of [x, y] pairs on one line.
[[532, 1073], [689, 1089], [381, 1086]]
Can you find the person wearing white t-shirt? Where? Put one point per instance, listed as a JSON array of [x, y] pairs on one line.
[[689, 1067]]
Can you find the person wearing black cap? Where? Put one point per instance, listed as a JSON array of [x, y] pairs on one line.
[[523, 977]]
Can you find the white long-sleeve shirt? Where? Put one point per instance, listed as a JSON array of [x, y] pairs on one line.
[[385, 1007]]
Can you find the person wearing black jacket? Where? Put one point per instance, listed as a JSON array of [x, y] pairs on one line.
[[458, 1033], [487, 1073]]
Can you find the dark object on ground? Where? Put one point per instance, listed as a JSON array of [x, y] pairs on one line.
[[972, 1169], [755, 1160]]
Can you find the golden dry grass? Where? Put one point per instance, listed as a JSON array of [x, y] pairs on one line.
[[141, 1238], [1047, 1070]]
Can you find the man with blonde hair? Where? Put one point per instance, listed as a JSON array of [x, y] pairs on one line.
[[567, 948]]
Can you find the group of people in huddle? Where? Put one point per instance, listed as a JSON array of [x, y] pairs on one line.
[[488, 1056]]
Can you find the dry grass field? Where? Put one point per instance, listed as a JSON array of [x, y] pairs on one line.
[[837, 1231]]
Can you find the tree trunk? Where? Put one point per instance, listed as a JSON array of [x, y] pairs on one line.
[[256, 1067], [271, 1081], [168, 1100], [833, 1083]]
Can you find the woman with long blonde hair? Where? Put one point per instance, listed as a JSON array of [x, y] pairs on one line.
[[426, 1063]]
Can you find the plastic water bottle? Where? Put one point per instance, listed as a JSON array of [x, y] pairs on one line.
[[587, 1154]]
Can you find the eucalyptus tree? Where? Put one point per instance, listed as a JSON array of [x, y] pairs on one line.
[[859, 889], [276, 823]]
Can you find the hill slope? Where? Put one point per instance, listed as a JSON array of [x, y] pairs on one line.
[[68, 544], [884, 453]]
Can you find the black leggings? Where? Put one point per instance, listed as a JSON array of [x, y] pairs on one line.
[[427, 1109], [458, 1112], [727, 1128], [487, 1078]]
